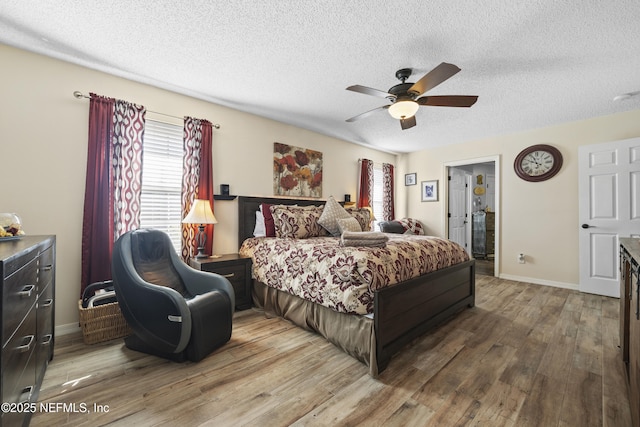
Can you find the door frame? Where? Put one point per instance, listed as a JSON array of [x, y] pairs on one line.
[[445, 206]]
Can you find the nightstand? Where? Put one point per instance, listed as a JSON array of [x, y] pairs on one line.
[[236, 269]]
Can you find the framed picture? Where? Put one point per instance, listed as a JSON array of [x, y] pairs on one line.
[[429, 191], [410, 179]]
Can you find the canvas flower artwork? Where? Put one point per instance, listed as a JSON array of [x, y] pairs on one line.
[[296, 171]]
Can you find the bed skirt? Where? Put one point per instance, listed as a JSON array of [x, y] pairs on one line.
[[353, 333]]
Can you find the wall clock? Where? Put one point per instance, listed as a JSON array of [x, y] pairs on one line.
[[538, 163]]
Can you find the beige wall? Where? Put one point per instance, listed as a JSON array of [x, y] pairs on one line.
[[43, 137], [537, 219]]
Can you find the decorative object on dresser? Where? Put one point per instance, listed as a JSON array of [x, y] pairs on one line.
[[200, 214], [27, 268], [233, 267], [630, 320], [538, 163]]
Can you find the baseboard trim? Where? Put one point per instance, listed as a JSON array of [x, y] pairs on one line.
[[572, 286], [69, 328]]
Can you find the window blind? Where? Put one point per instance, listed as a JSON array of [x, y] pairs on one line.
[[162, 179]]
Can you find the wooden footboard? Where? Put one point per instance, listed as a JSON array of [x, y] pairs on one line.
[[408, 310]]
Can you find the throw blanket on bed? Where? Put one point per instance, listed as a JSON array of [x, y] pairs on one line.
[[363, 238], [344, 278]]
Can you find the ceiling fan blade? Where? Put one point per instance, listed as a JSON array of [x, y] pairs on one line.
[[371, 91], [448, 100], [433, 78], [367, 113], [408, 123]]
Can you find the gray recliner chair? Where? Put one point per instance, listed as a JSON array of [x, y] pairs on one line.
[[174, 311]]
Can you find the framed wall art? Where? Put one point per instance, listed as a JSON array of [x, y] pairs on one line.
[[410, 179], [296, 171], [429, 191]]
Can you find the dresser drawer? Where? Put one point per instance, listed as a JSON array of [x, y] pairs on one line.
[[237, 276], [233, 273], [45, 268], [18, 296], [44, 319], [15, 358]]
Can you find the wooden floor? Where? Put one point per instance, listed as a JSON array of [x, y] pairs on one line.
[[525, 355]]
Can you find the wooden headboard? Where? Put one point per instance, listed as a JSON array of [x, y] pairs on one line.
[[247, 207]]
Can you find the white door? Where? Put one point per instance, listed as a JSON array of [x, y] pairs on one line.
[[490, 196], [609, 194], [458, 211]]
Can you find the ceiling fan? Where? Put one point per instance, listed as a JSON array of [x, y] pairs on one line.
[[404, 96]]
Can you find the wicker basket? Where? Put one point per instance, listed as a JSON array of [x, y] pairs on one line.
[[102, 323]]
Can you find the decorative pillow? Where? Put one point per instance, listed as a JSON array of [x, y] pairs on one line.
[[392, 227], [348, 224], [297, 222], [331, 214], [259, 230], [363, 215], [270, 228], [412, 225]]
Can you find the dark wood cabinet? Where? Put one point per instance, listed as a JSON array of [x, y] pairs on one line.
[[27, 269], [630, 320], [236, 269]]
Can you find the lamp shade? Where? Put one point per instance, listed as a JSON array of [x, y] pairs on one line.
[[200, 213], [403, 109]]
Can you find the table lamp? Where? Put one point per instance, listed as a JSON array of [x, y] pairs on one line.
[[200, 214]]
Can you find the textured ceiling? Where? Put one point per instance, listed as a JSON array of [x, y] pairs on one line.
[[532, 64]]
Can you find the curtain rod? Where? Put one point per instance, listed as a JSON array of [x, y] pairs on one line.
[[79, 95]]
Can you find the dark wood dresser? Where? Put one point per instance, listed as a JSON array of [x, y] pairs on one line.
[[27, 268], [630, 319]]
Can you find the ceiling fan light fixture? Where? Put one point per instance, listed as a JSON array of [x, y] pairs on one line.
[[403, 109]]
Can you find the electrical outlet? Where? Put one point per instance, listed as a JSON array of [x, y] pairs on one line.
[[521, 259]]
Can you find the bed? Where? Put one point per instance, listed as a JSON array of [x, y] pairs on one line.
[[399, 314]]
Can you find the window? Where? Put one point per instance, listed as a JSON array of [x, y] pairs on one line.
[[378, 194], [160, 198]]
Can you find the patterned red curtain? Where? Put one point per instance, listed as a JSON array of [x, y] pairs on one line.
[[126, 163], [113, 178], [197, 180], [388, 202], [365, 184]]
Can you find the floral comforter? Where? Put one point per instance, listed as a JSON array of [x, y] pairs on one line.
[[344, 278]]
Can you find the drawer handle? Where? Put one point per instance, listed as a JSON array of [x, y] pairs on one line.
[[46, 340], [228, 276], [29, 392], [26, 291], [26, 347], [47, 303]]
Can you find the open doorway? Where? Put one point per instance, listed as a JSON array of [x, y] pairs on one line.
[[472, 209]]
